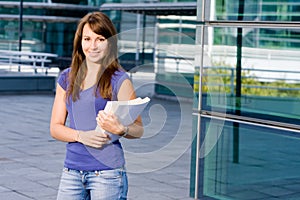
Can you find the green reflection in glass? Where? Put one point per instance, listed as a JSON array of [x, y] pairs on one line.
[[259, 10], [268, 165]]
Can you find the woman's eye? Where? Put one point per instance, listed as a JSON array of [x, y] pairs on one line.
[[102, 39], [86, 39]]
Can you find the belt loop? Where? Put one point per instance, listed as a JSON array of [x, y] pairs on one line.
[[66, 169]]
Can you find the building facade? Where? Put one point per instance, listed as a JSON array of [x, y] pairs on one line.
[[246, 100]]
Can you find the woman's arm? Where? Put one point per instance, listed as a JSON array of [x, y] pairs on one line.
[[58, 129], [110, 122], [63, 133]]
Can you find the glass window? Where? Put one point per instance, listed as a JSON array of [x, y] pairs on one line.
[[258, 10], [246, 101], [246, 161], [270, 83]]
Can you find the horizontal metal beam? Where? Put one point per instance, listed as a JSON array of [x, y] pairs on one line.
[[250, 121], [158, 8], [52, 6], [39, 18], [253, 24]]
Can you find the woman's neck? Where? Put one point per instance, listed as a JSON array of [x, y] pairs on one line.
[[93, 67], [91, 76]]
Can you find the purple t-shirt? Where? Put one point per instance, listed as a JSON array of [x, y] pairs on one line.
[[82, 116]]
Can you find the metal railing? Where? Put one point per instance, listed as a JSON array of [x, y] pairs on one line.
[[179, 64], [35, 60]]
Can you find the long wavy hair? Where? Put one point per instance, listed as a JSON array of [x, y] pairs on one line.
[[101, 25]]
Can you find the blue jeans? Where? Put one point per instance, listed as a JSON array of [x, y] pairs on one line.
[[93, 185]]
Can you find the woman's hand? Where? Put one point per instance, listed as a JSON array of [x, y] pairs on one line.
[[92, 138], [110, 123]]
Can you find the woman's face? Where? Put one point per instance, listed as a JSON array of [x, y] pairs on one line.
[[94, 46]]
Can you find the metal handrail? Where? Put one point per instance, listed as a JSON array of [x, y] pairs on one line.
[[252, 121]]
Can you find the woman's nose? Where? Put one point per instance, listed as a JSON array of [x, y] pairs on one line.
[[94, 44]]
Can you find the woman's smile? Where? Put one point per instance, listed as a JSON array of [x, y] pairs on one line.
[[94, 46]]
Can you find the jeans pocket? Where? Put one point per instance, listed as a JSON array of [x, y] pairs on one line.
[[111, 174]]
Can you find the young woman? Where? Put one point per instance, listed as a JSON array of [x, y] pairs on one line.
[[94, 167]]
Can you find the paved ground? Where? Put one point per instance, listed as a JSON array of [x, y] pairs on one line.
[[31, 161]]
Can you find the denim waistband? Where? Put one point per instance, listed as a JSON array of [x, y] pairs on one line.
[[66, 169]]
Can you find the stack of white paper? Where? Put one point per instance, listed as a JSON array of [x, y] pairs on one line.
[[126, 111]]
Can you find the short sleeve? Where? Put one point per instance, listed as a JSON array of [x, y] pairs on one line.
[[63, 78], [117, 80]]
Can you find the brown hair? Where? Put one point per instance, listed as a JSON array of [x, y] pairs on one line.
[[101, 25]]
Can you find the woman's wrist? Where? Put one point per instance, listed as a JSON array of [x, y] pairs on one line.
[[125, 131], [77, 136]]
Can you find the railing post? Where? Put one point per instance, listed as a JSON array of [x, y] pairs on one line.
[[232, 83], [20, 30]]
